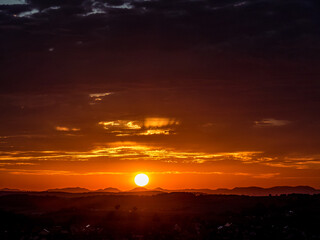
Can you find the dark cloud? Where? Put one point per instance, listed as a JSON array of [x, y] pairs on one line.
[[43, 4]]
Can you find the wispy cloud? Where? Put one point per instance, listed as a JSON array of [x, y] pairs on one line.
[[127, 151], [297, 162], [51, 162], [156, 132], [132, 151], [96, 97], [66, 129], [92, 173], [99, 95], [266, 175], [160, 122], [147, 127], [271, 122], [121, 124], [28, 14]]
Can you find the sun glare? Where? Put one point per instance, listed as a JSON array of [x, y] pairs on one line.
[[141, 179]]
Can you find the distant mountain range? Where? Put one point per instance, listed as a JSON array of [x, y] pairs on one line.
[[9, 190], [251, 191], [258, 191], [83, 190], [109, 189], [140, 189], [69, 190]]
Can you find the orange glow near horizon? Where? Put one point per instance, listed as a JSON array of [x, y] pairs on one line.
[[112, 165]]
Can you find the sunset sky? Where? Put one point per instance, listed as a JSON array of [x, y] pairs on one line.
[[194, 93]]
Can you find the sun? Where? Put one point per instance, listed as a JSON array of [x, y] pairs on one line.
[[141, 179]]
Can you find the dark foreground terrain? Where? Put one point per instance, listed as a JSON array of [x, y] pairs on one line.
[[163, 216]]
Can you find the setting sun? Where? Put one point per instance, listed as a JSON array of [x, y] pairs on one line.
[[141, 179]]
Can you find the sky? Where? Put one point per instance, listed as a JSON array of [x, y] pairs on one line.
[[194, 93]]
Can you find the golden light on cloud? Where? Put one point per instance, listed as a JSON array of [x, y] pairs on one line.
[[159, 122], [271, 122], [132, 125], [99, 95], [146, 127], [155, 132], [120, 124], [141, 179], [66, 129], [117, 161], [132, 151]]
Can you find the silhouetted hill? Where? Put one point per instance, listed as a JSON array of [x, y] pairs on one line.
[[194, 190], [297, 189], [161, 189], [139, 189], [9, 190], [258, 191], [250, 191], [109, 189], [69, 190]]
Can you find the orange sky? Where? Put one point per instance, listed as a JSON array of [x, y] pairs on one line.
[[197, 94], [183, 147], [116, 164]]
